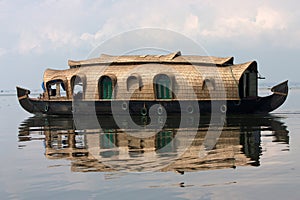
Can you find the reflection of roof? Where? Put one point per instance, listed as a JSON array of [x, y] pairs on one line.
[[174, 58]]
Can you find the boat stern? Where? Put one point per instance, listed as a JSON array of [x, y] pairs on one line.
[[22, 93], [24, 100]]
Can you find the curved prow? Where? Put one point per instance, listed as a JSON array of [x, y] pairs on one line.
[[280, 93], [22, 93], [24, 99], [281, 89], [274, 101]]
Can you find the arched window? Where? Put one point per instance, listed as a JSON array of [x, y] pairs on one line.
[[77, 87], [105, 87], [56, 88], [208, 84], [134, 83], [163, 87]]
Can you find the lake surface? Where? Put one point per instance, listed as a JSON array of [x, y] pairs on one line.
[[249, 157]]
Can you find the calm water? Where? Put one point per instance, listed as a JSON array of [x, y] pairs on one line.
[[249, 158]]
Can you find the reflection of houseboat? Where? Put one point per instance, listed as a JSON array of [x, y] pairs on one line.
[[135, 83], [113, 149]]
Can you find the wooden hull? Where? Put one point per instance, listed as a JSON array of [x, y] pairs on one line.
[[261, 105]]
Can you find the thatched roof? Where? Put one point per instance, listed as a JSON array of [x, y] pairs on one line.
[[174, 58]]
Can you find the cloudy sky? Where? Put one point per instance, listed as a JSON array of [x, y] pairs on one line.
[[36, 35]]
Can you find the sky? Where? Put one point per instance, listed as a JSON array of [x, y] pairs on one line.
[[36, 35]]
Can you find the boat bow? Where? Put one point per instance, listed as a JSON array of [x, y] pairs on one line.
[[281, 89], [272, 102]]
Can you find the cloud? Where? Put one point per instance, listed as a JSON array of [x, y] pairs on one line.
[[268, 18], [245, 24], [51, 25], [265, 20], [41, 26], [2, 51], [46, 38], [191, 25], [28, 43], [58, 30], [59, 37]]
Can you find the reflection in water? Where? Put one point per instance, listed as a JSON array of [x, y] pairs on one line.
[[113, 149]]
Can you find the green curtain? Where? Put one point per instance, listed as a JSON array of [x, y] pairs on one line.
[[106, 88], [163, 85], [163, 139]]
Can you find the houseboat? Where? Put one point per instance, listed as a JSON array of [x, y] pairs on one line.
[[167, 84]]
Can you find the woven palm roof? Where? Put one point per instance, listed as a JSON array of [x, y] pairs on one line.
[[174, 58]]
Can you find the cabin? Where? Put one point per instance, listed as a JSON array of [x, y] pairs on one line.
[[152, 77]]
